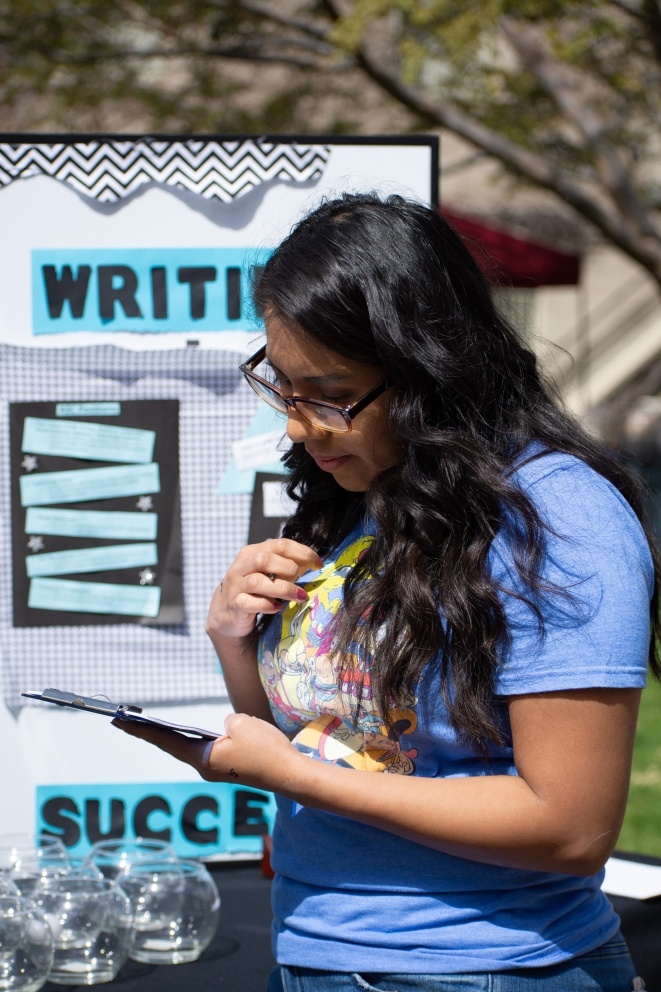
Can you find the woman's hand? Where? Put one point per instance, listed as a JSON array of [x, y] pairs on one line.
[[252, 752], [259, 579], [561, 813]]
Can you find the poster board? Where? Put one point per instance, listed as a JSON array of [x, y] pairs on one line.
[[125, 268], [95, 492]]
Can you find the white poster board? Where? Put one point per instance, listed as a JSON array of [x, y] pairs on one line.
[[131, 445]]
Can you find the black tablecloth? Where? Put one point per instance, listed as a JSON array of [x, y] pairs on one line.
[[239, 958]]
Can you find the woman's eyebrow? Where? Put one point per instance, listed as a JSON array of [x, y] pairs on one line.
[[317, 380]]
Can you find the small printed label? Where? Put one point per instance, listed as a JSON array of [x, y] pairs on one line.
[[88, 409], [257, 451]]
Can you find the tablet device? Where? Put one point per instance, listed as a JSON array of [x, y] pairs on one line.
[[118, 711]]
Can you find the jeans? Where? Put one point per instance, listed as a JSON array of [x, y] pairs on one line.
[[606, 969]]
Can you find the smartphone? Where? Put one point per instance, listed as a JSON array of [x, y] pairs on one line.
[[118, 711]]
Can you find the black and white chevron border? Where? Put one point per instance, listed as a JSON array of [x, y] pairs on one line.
[[109, 170]]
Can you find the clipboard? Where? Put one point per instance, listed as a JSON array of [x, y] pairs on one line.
[[117, 711]]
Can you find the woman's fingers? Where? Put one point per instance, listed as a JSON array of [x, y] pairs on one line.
[[180, 746], [272, 568], [193, 751], [281, 558], [263, 576], [294, 551], [251, 752], [258, 584], [259, 580]]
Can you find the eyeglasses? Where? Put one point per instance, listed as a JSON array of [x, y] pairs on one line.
[[318, 413]]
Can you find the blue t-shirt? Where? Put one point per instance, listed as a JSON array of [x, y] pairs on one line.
[[351, 897]]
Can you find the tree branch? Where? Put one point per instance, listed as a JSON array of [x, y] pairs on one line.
[[268, 14], [627, 9], [535, 168], [239, 52], [463, 163], [569, 97]]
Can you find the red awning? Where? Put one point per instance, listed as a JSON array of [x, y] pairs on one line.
[[510, 261]]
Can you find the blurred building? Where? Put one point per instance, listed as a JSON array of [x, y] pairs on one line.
[[592, 315], [594, 319]]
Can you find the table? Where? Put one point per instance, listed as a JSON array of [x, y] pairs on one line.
[[641, 926], [239, 958]]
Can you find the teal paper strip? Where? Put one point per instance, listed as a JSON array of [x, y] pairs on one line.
[[101, 559], [111, 524], [88, 484], [88, 409], [94, 597], [81, 439]]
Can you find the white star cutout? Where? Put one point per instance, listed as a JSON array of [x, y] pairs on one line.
[[30, 463], [147, 576], [36, 543], [145, 503]]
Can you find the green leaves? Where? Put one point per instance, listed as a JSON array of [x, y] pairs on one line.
[[565, 93]]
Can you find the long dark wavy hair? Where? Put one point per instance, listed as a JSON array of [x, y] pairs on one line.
[[389, 282]]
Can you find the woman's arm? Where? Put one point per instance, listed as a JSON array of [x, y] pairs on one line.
[[259, 579], [562, 812], [238, 660]]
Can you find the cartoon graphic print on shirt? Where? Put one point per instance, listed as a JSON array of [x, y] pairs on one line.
[[297, 670]]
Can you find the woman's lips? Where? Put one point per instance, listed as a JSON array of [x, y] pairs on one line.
[[330, 464]]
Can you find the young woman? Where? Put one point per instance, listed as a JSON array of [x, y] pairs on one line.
[[461, 602]]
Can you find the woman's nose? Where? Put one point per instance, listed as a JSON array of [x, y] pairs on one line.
[[299, 429]]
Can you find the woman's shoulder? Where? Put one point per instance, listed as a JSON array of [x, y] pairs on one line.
[[575, 500], [541, 472], [596, 551]]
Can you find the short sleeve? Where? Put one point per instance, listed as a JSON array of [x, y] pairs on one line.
[[597, 629]]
